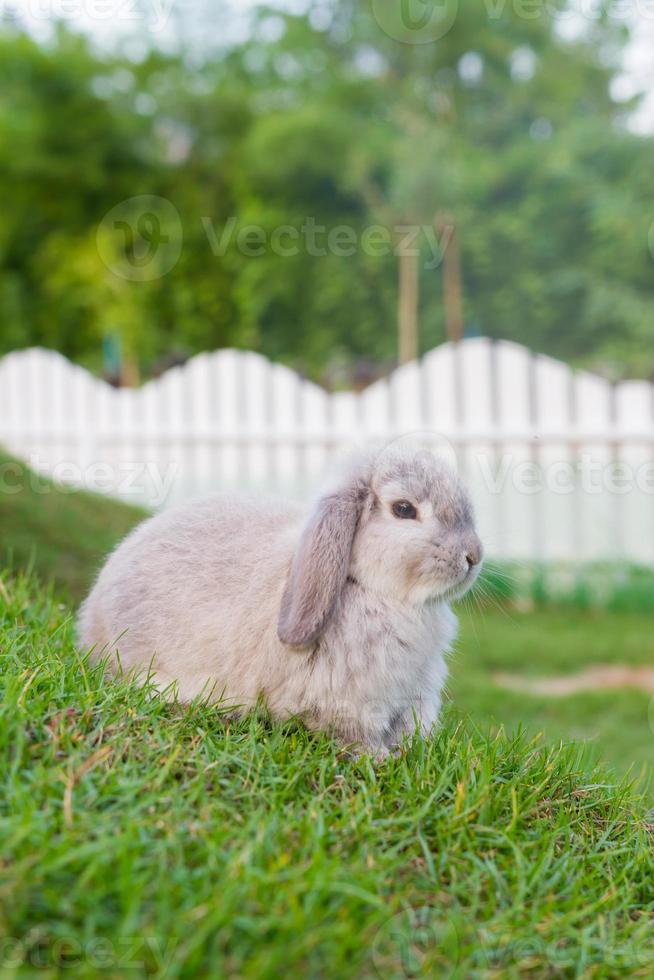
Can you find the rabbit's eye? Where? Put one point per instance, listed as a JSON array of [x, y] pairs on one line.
[[405, 510]]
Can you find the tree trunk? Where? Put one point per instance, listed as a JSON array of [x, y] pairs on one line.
[[130, 374], [452, 292], [408, 307]]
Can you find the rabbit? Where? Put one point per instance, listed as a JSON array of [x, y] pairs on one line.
[[341, 619]]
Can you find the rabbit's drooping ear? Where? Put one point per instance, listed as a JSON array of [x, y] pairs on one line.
[[320, 566]]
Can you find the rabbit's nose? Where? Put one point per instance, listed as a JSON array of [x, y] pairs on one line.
[[474, 551]]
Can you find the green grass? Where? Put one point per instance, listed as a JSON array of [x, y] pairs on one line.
[[139, 838], [617, 587], [618, 726], [62, 535]]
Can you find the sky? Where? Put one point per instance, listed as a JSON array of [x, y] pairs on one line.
[[128, 21]]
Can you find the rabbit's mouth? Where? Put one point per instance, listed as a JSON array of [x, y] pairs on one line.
[[459, 588], [431, 583]]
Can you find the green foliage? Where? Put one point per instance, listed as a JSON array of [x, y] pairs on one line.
[[329, 119], [145, 839]]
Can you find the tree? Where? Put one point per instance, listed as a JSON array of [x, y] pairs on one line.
[[327, 125]]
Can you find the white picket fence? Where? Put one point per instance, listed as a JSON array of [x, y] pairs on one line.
[[561, 463]]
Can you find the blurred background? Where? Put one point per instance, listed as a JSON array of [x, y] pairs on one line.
[[524, 125], [233, 236]]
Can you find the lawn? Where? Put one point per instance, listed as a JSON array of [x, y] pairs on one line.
[[62, 535], [617, 725], [140, 838]]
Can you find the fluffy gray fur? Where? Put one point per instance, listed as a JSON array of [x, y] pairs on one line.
[[342, 619]]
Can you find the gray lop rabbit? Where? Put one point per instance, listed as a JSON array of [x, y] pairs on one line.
[[342, 619]]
